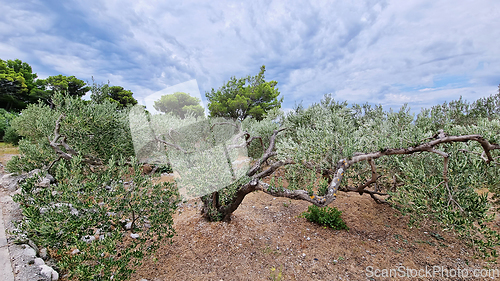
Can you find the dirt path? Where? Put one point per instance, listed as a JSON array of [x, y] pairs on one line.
[[266, 237]]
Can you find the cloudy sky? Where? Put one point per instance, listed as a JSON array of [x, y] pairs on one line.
[[382, 52]]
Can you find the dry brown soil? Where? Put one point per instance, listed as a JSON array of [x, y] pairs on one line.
[[266, 236]]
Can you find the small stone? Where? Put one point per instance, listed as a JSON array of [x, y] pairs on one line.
[[39, 261], [75, 252], [335, 261], [55, 275], [266, 207], [45, 182], [88, 238], [303, 254], [50, 178], [30, 252], [134, 235], [308, 238], [46, 271], [128, 226]]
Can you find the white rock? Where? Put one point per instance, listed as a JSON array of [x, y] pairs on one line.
[[75, 251], [88, 238], [46, 271], [30, 252], [45, 182], [134, 235], [128, 226], [39, 261], [55, 275]]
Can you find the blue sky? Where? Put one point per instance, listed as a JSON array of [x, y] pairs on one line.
[[382, 52]]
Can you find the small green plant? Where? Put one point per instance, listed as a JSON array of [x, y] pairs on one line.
[[164, 168], [327, 216], [276, 275], [287, 204]]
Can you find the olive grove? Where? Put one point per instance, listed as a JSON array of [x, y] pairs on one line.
[[427, 166], [415, 164]]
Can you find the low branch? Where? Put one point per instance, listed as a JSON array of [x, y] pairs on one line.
[[171, 145], [70, 152], [267, 154], [344, 164]]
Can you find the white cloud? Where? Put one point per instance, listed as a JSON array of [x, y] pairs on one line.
[[364, 51]]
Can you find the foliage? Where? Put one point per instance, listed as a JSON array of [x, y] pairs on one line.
[[263, 128], [92, 211], [244, 97], [13, 89], [19, 86], [324, 133], [327, 216], [179, 104], [11, 136], [5, 121], [117, 94], [100, 130]]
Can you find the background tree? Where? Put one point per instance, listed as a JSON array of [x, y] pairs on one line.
[[179, 104], [116, 94], [122, 96], [13, 89], [244, 97]]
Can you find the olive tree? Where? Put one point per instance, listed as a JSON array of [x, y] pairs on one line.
[[330, 148]]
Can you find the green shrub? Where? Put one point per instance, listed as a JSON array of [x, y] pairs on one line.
[[326, 216], [98, 205], [11, 136], [99, 130]]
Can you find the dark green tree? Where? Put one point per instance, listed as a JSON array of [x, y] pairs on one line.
[[13, 88], [244, 97], [25, 70], [179, 104], [69, 85], [122, 96], [117, 94]]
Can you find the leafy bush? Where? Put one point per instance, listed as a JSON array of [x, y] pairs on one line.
[[327, 216], [101, 130], [6, 133], [11, 136], [87, 218]]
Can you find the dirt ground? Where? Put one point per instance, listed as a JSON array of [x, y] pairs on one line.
[[6, 153], [266, 240]]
